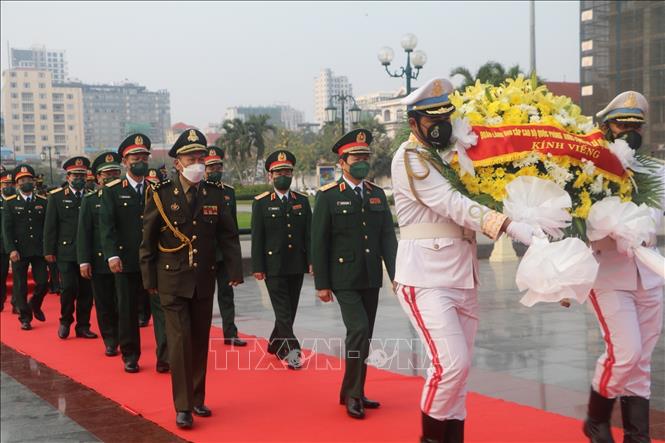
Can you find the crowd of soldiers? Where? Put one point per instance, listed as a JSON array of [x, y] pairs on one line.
[[143, 244]]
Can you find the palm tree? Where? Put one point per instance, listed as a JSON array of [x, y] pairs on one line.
[[491, 72], [257, 126]]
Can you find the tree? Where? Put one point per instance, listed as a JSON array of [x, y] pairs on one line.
[[491, 72], [257, 126]]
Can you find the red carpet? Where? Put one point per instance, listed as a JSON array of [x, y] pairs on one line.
[[272, 404]]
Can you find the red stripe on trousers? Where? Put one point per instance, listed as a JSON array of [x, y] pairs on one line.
[[609, 361], [438, 369]]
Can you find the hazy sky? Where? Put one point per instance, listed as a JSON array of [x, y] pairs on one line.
[[214, 55]]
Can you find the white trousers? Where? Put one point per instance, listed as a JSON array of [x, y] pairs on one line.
[[631, 322], [446, 320]]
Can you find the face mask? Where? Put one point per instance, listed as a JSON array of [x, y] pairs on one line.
[[215, 176], [633, 138], [108, 179], [438, 135], [194, 173], [282, 182], [26, 188], [78, 184], [89, 186], [359, 170], [139, 169], [8, 191]]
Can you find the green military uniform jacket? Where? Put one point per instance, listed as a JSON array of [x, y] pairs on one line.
[[121, 222], [88, 239], [349, 238], [281, 235], [230, 204], [3, 251], [23, 225], [61, 224], [165, 258]]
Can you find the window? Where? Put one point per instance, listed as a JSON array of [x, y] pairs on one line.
[[42, 86], [16, 127], [43, 106], [44, 138], [28, 117], [587, 45], [16, 117], [28, 139], [26, 85], [71, 117], [43, 127], [59, 98], [43, 117], [70, 127], [59, 129], [28, 107], [60, 139], [587, 90], [587, 15], [14, 95], [26, 96], [29, 128], [70, 96], [587, 61], [42, 96], [14, 105], [30, 149], [13, 74], [12, 85], [58, 108], [41, 75]]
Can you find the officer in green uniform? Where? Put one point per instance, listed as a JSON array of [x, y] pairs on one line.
[[8, 190], [90, 181], [22, 233], [352, 232], [281, 223], [186, 219], [60, 247], [90, 255], [121, 227], [214, 164]]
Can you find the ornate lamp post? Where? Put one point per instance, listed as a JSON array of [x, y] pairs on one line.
[[331, 110], [418, 58]]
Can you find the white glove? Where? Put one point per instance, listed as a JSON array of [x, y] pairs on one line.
[[523, 232]]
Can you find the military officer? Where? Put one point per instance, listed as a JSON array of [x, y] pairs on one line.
[[182, 218], [90, 255], [352, 233], [8, 189], [121, 226], [627, 299], [281, 251], [163, 173], [144, 297], [214, 163], [90, 181], [60, 229], [436, 267], [22, 233]]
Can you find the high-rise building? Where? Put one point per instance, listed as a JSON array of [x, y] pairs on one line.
[[623, 48], [39, 57], [281, 116], [111, 112], [38, 113], [327, 85]]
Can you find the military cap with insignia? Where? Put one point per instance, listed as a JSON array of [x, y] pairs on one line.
[[431, 99], [6, 177], [106, 161], [215, 156], [134, 144], [153, 176], [191, 140], [280, 160], [76, 165], [89, 175], [354, 142], [627, 107], [23, 170]]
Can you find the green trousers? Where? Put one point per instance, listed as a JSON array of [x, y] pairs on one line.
[[284, 291], [103, 289], [225, 296], [20, 276], [76, 296], [358, 313]]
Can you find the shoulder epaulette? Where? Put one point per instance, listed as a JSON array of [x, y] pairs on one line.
[[219, 185], [328, 186], [43, 197], [11, 197], [260, 196], [54, 191], [300, 194], [99, 193], [229, 186], [113, 183], [373, 184], [161, 184]]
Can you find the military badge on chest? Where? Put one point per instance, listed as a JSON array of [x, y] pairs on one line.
[[210, 210]]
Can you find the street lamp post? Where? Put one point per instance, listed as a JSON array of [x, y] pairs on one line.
[[419, 58], [331, 110], [50, 159]]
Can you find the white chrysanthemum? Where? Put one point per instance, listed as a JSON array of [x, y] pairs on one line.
[[495, 120], [559, 175], [529, 160], [587, 126], [597, 185], [588, 167]]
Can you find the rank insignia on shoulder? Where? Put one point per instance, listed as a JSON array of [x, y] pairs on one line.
[[11, 197], [161, 184], [328, 186], [55, 191], [300, 194], [43, 197], [372, 184], [226, 185], [113, 183], [262, 195]]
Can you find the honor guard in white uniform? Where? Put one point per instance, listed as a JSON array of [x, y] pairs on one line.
[[437, 267], [628, 301]]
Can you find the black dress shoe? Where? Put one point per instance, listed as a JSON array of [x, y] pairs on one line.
[[163, 367], [132, 367], [367, 403], [38, 314], [235, 341], [63, 331], [111, 351], [201, 411], [184, 420], [354, 407], [26, 326], [14, 310], [86, 333]]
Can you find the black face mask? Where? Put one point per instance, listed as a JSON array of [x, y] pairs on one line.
[[8, 191], [633, 138], [438, 135]]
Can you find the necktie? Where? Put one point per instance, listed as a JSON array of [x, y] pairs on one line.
[[29, 199], [78, 195], [359, 192], [138, 189], [285, 200]]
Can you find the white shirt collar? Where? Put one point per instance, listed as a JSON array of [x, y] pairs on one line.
[[73, 191], [25, 196], [280, 194], [352, 186], [132, 183]]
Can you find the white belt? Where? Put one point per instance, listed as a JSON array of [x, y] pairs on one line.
[[420, 231]]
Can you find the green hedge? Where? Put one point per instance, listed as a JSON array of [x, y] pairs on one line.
[[247, 192]]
